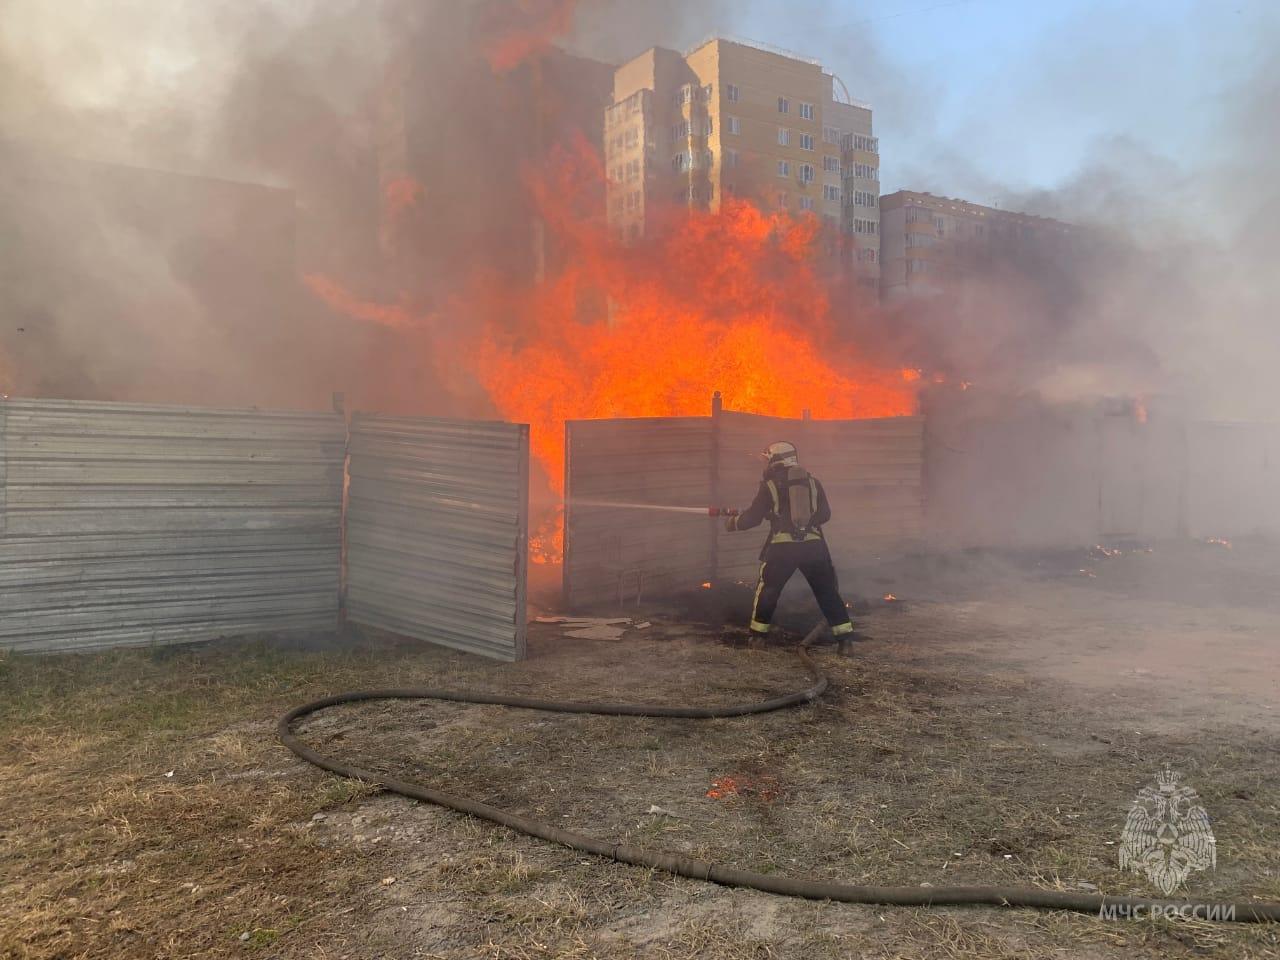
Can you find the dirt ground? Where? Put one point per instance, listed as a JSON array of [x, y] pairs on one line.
[[992, 726]]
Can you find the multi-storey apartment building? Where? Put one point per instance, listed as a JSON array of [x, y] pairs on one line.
[[929, 243], [735, 117]]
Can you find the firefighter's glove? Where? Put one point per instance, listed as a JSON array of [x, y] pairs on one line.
[[731, 524]]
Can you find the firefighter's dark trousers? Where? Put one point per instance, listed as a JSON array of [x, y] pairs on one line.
[[813, 560]]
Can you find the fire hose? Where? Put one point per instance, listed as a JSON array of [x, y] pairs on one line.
[[674, 863]]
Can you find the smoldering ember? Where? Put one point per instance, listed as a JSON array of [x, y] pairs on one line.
[[579, 478]]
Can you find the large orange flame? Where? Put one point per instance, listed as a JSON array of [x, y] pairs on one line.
[[732, 300], [735, 300]]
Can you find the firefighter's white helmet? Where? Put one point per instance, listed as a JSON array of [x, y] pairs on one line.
[[781, 454]]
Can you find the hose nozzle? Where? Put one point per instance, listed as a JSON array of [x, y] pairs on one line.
[[723, 511]]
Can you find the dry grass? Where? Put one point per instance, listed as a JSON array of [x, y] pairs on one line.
[[147, 811], [912, 770]]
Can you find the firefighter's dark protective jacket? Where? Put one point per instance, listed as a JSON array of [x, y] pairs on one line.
[[773, 501]]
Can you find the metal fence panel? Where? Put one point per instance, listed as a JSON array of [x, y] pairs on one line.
[[1026, 474], [1234, 479], [615, 551], [437, 530], [1023, 475], [127, 524], [870, 470]]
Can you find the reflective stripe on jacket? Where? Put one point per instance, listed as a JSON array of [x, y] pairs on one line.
[[769, 503], [785, 535]]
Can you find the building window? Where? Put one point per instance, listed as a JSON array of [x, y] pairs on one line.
[[806, 203], [783, 104], [731, 124], [856, 141], [806, 141], [680, 162], [783, 199], [806, 173], [866, 171], [709, 127], [866, 255], [731, 158], [784, 137], [784, 168], [831, 135], [806, 111], [861, 198], [695, 194], [706, 93], [830, 192], [731, 92], [871, 228]]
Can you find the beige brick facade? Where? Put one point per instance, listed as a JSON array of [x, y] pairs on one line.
[[732, 117], [928, 243]]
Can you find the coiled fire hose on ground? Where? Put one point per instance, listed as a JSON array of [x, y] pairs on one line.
[[720, 873]]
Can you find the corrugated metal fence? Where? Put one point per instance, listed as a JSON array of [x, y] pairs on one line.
[[871, 470], [612, 551], [137, 524], [437, 530], [1035, 475], [1234, 479]]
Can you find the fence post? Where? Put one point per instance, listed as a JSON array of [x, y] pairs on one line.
[[339, 402], [713, 558], [4, 469], [566, 513], [522, 548]]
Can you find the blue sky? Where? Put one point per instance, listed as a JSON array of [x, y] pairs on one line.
[[979, 96]]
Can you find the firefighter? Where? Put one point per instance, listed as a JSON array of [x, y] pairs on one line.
[[796, 505]]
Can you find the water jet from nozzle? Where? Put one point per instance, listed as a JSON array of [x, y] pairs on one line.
[[621, 505]]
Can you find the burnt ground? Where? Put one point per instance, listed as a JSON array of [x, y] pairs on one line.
[[992, 726]]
